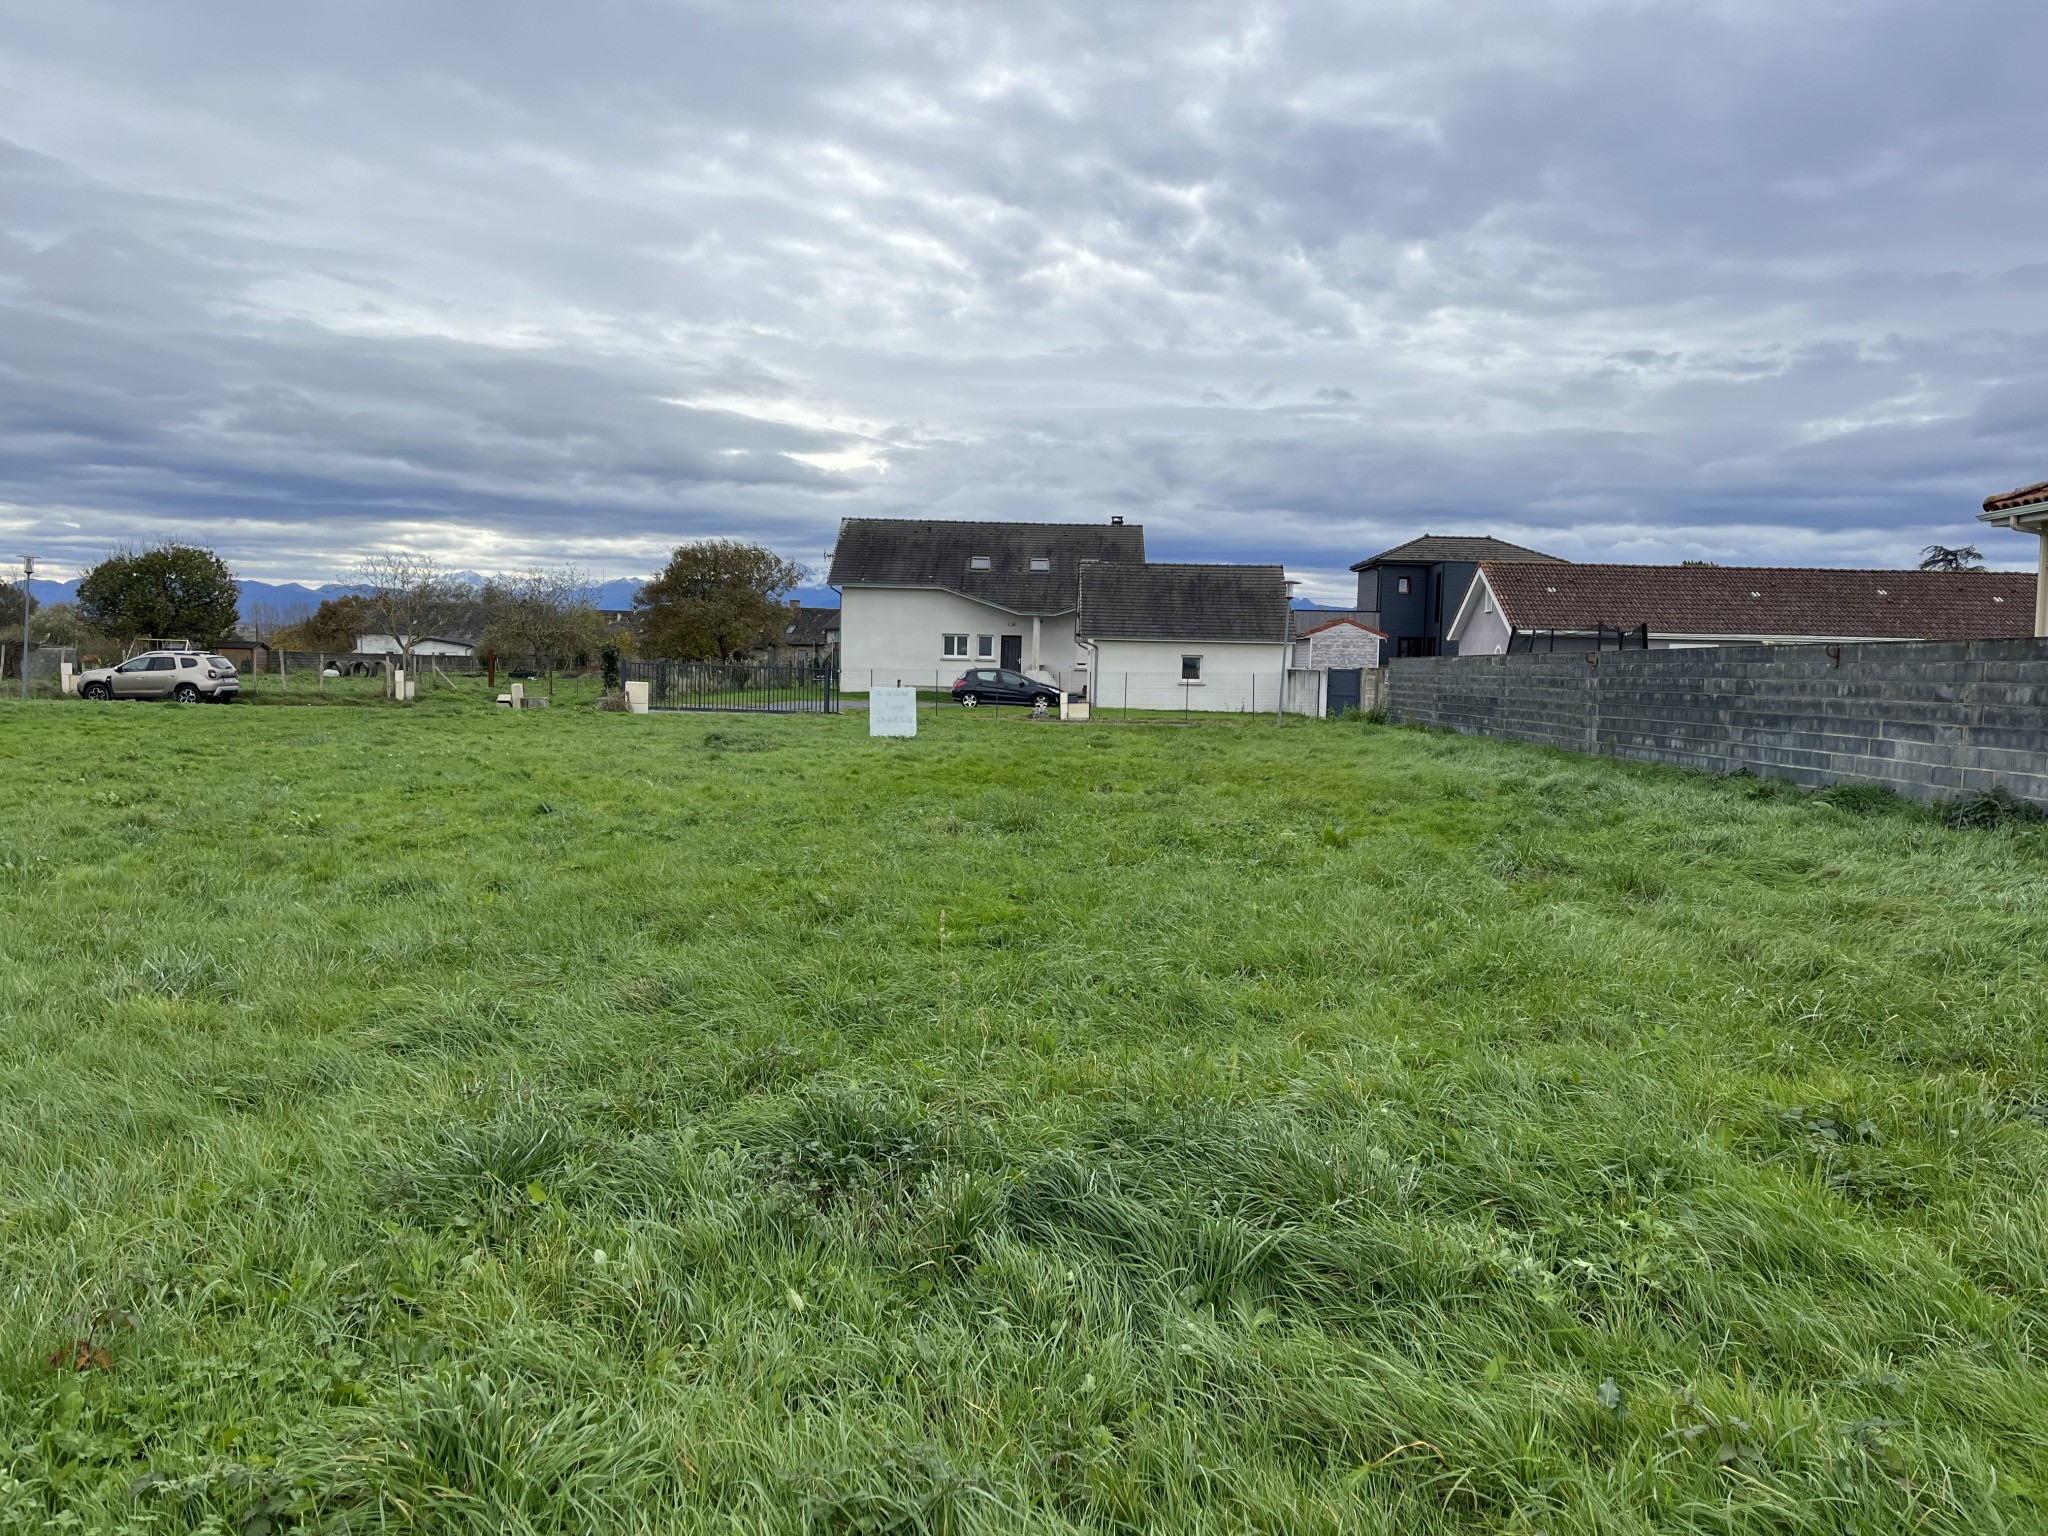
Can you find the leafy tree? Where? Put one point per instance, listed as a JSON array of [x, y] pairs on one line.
[[333, 627], [1942, 557], [545, 615], [173, 591], [716, 599]]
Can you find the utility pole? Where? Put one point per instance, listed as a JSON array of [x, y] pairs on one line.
[[28, 570]]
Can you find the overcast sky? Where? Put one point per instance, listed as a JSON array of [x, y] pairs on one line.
[[521, 282]]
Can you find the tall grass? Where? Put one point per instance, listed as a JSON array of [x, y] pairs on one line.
[[439, 1119]]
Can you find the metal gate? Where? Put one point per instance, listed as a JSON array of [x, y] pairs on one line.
[[781, 688], [1346, 690]]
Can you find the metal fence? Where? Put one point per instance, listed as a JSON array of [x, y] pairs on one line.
[[783, 688]]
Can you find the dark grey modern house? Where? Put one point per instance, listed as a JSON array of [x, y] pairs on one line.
[[1411, 592]]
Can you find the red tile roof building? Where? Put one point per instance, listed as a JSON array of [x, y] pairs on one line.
[[1516, 606]]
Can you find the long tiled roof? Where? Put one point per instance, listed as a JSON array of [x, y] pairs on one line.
[[2025, 496], [1183, 602], [916, 552], [1432, 548], [1766, 600]]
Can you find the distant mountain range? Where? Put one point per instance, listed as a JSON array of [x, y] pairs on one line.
[[289, 600]]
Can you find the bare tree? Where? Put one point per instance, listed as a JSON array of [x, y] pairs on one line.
[[542, 614], [408, 596]]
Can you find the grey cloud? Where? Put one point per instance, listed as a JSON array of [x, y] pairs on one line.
[[1297, 280]]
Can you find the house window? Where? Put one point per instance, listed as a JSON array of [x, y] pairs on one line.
[[1486, 602], [985, 646], [1041, 562], [1191, 669], [1401, 585], [956, 645], [977, 562]]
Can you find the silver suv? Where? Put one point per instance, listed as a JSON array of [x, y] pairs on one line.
[[187, 676]]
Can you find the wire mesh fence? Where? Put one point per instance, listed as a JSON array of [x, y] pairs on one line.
[[1112, 693]]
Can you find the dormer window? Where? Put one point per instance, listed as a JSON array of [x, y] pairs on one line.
[[1041, 562], [978, 562]]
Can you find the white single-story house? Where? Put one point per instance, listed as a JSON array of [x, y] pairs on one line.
[[1206, 637], [1520, 607], [425, 645], [919, 599], [2026, 511]]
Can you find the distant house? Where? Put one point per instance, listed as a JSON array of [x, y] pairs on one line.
[[1204, 637], [1410, 593], [920, 599], [813, 633], [453, 644], [246, 649], [1521, 607]]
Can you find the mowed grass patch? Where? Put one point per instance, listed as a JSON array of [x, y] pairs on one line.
[[441, 1119]]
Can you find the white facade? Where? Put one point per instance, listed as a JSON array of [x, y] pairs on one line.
[[1479, 627], [1343, 644], [1234, 676], [900, 634], [429, 645]]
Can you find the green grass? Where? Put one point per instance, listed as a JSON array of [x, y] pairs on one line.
[[440, 1119]]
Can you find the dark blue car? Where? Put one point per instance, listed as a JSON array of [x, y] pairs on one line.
[[999, 685]]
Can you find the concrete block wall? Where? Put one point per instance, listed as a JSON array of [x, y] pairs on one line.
[[1931, 721]]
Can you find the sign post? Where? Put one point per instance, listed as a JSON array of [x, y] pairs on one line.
[[892, 711]]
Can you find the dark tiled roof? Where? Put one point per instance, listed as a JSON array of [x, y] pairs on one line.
[[1434, 547], [1183, 602], [812, 626], [909, 552], [2025, 496], [1767, 600]]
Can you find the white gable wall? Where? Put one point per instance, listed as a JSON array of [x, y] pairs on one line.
[[1479, 628], [1238, 676], [887, 633]]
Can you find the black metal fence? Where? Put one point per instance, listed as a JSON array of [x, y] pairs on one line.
[[801, 687]]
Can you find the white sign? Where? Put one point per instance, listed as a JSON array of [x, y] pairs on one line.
[[892, 711]]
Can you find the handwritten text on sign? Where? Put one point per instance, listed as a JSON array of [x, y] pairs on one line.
[[892, 711]]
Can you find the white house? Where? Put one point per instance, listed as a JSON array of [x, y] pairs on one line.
[[921, 599], [425, 645], [1198, 637], [2026, 511]]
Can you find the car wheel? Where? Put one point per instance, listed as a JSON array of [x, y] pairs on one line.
[[99, 693], [1043, 698], [969, 700], [186, 693]]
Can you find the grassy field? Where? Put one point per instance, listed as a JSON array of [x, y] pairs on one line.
[[440, 1119]]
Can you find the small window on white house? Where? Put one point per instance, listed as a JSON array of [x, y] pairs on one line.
[[977, 562], [1191, 669], [956, 645], [1041, 562], [1486, 602], [1401, 585], [984, 646]]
